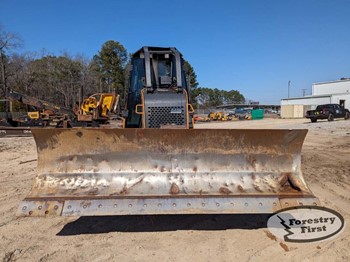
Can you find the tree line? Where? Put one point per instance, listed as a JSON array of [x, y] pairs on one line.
[[60, 79], [211, 97]]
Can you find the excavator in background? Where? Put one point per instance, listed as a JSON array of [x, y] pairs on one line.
[[40, 113], [159, 163], [101, 109]]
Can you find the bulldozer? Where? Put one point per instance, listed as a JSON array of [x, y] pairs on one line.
[[159, 163]]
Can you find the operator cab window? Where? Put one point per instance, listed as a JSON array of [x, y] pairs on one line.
[[164, 73]]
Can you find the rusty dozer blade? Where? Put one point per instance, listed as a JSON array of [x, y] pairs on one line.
[[83, 172]]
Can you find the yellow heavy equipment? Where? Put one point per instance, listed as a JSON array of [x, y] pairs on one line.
[[219, 116], [99, 109], [160, 164], [105, 102], [40, 113]]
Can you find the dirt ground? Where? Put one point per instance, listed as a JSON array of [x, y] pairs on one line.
[[326, 168]]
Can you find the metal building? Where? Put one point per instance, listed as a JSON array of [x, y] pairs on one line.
[[334, 92]]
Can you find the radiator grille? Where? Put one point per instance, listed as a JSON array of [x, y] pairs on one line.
[[158, 116]]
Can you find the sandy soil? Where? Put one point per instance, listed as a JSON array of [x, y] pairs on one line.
[[326, 167]]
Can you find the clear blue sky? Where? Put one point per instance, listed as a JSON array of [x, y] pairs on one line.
[[255, 47]]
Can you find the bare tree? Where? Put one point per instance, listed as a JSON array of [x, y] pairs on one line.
[[8, 41], [89, 78], [57, 79], [20, 74]]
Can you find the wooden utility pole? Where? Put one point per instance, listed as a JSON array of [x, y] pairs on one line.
[[3, 79]]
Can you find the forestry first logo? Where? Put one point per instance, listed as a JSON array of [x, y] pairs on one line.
[[305, 224]]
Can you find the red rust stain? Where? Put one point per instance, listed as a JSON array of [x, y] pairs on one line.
[[174, 189], [257, 188], [225, 191], [283, 178], [241, 189], [124, 191]]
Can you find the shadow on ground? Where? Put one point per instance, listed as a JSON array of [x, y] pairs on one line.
[[157, 223]]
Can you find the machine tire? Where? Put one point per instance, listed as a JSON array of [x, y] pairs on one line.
[[313, 120], [330, 117], [347, 116]]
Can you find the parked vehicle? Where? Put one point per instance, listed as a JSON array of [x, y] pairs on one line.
[[328, 111]]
